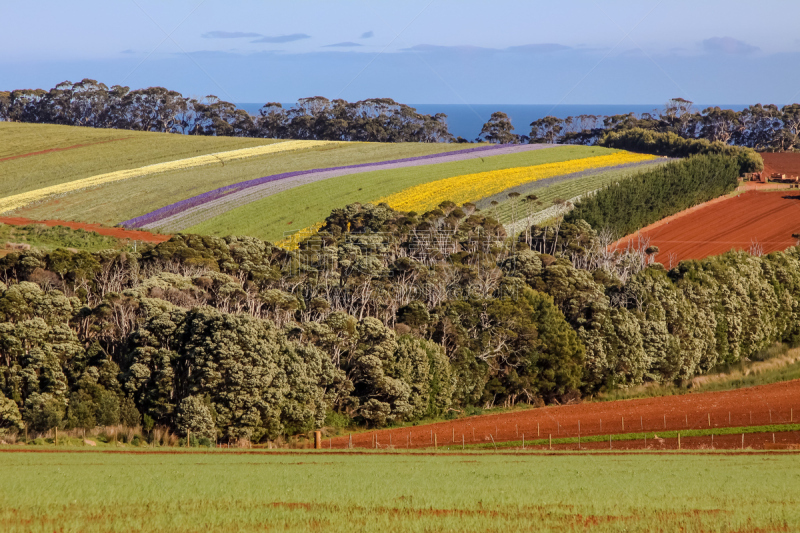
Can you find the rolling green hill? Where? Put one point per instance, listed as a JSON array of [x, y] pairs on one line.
[[115, 202]]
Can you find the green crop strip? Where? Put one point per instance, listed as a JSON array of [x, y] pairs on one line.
[[773, 428]]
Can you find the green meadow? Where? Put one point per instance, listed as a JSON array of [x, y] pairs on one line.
[[263, 491]]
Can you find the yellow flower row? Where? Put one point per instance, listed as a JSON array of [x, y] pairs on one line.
[[17, 201], [292, 242], [472, 187]]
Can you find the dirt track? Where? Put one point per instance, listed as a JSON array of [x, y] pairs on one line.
[[737, 223], [119, 233], [777, 403]]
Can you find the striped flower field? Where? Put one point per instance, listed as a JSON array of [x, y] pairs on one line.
[[18, 201], [472, 187]]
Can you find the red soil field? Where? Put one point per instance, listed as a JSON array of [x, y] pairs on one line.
[[730, 223], [60, 149], [777, 403], [119, 233], [782, 163]]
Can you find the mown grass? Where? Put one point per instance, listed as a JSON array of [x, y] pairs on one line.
[[302, 206], [133, 149], [116, 202], [92, 492], [50, 238]]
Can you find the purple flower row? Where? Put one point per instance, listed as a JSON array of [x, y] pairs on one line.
[[200, 199]]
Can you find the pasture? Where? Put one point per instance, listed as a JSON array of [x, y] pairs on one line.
[[257, 491]]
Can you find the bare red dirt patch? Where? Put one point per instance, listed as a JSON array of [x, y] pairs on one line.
[[777, 403], [765, 220], [50, 150], [119, 233], [781, 163]]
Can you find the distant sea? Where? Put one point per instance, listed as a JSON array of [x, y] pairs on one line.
[[466, 121]]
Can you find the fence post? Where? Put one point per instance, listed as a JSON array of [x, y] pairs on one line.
[[709, 419], [523, 441], [435, 442], [743, 441], [537, 430], [623, 423], [56, 436], [665, 421], [454, 433], [350, 442], [550, 436], [462, 442], [317, 440], [679, 440]]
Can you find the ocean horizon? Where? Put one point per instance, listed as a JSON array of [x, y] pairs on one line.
[[466, 120]]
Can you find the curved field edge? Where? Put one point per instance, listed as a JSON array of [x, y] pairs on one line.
[[762, 405], [214, 198], [134, 149], [291, 210], [272, 185], [17, 201], [473, 187], [115, 202]]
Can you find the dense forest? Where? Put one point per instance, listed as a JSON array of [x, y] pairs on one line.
[[384, 317], [91, 103]]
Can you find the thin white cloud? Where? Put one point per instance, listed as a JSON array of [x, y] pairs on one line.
[[367, 34], [282, 38], [346, 44], [229, 35]]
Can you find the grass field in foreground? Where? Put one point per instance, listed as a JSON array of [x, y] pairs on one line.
[[91, 492], [116, 202], [302, 206]]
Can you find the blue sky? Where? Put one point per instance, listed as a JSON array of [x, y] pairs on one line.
[[415, 51]]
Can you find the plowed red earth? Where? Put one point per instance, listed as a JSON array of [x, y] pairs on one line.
[[40, 152], [767, 219], [782, 163], [119, 233], [777, 403]]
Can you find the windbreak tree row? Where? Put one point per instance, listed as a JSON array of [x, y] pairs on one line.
[[631, 204]]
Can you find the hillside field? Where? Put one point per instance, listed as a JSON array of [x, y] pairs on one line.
[[222, 491], [74, 174]]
